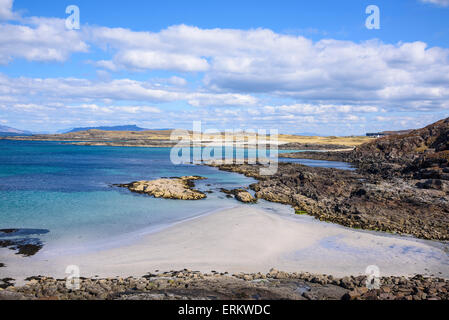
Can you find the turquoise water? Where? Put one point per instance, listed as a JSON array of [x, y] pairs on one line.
[[67, 190]]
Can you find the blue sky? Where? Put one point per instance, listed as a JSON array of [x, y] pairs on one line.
[[296, 66]]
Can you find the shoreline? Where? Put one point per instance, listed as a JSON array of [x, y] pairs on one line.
[[162, 249], [198, 243], [234, 240], [352, 198], [125, 239], [160, 143], [194, 285]]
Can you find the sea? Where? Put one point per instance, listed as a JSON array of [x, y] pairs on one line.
[[65, 193], [63, 197]]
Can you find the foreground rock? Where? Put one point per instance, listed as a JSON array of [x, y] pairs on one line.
[[23, 241], [241, 195], [192, 285], [168, 188], [24, 247]]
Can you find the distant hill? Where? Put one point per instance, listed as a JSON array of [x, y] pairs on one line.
[[8, 131], [113, 128], [308, 134]]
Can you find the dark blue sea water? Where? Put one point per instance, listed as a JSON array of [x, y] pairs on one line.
[[67, 190]]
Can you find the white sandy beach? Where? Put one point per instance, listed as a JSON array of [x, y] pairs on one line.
[[246, 239]]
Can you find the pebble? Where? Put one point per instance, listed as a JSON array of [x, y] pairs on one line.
[[416, 288]]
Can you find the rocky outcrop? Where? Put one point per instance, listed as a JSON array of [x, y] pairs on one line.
[[168, 188], [24, 247], [342, 156], [241, 195], [311, 146], [421, 154], [355, 200], [403, 185], [23, 241], [193, 285]]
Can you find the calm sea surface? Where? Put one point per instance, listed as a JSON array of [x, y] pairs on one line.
[[68, 191]]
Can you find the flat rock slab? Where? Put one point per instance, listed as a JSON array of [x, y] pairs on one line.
[[180, 188]]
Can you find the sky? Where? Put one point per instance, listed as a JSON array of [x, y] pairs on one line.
[[296, 66]]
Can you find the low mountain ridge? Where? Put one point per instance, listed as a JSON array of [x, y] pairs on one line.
[[5, 130], [109, 128]]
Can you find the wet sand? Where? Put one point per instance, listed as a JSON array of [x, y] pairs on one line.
[[246, 239]]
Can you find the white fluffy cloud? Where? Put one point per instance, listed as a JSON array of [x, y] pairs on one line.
[[87, 109], [262, 61], [6, 12], [235, 65], [67, 90], [318, 109], [39, 39], [154, 60], [264, 76]]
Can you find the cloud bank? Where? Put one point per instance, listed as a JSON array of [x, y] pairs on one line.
[[235, 75]]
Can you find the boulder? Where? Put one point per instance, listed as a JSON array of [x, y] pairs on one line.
[[168, 188], [241, 195]]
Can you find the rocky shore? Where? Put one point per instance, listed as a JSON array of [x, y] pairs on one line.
[[421, 154], [24, 241], [335, 155], [192, 285], [353, 199], [311, 146], [401, 184], [168, 188]]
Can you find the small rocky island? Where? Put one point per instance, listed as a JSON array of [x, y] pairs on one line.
[[181, 188]]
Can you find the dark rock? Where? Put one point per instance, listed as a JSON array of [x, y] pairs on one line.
[[24, 246], [6, 282], [8, 231], [241, 195], [430, 184], [354, 200], [185, 284]]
